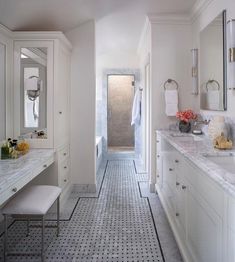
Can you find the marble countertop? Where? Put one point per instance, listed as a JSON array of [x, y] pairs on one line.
[[197, 150], [13, 170]]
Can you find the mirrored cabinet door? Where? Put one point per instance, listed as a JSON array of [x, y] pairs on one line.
[[33, 89], [2, 92]]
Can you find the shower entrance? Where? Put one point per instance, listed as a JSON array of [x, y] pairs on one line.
[[120, 98]]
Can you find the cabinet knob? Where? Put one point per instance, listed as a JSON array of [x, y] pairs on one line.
[[177, 214], [170, 169], [176, 161], [158, 156], [65, 167], [65, 180], [177, 183], [45, 166], [157, 141], [60, 112], [158, 176], [184, 187], [65, 154], [14, 189]]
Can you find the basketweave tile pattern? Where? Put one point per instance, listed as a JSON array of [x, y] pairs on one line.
[[116, 226]]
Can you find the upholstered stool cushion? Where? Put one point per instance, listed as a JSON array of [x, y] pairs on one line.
[[34, 200]]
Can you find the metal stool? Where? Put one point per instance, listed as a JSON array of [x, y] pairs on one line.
[[33, 202]]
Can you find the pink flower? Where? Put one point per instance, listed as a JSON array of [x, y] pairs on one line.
[[186, 115]]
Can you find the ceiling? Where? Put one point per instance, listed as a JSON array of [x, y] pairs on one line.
[[118, 22]]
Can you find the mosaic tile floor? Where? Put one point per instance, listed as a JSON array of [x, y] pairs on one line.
[[117, 224]]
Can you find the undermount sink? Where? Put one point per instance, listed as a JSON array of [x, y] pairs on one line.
[[186, 137], [227, 162]]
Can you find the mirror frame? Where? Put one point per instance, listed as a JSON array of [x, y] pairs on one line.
[[225, 72], [35, 143]]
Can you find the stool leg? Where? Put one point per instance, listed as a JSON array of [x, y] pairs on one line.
[[58, 216], [28, 221], [43, 229], [5, 238]]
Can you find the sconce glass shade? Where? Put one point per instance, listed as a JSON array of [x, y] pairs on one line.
[[231, 53], [194, 71]]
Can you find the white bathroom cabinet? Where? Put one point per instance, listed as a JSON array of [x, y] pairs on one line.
[[201, 214], [58, 99]]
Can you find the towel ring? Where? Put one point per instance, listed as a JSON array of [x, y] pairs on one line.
[[171, 81], [209, 82]]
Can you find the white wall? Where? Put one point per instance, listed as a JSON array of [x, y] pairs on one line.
[[207, 15], [83, 97]]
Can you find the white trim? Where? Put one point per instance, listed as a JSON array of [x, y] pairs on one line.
[[42, 35], [5, 31], [170, 19], [144, 33], [198, 8]]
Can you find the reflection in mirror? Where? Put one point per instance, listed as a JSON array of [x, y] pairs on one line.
[[213, 65], [2, 93], [33, 92]]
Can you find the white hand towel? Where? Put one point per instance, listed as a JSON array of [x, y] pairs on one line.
[[171, 100], [136, 109], [213, 99]]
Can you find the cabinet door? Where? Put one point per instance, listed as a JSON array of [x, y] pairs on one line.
[[231, 245], [159, 170], [169, 180], [181, 197], [204, 229]]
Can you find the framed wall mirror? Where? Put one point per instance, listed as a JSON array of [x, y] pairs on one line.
[[213, 65], [33, 89]]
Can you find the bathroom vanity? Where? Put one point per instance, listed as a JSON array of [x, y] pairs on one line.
[[197, 192], [37, 91]]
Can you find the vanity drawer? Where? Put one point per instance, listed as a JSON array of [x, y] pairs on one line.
[[64, 169], [63, 153]]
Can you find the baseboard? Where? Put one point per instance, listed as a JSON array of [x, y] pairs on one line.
[[85, 188], [152, 188]]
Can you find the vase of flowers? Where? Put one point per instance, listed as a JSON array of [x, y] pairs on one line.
[[184, 120]]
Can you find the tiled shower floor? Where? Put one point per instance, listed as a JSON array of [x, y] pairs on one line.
[[122, 223]]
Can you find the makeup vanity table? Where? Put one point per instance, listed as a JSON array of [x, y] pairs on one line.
[[17, 173]]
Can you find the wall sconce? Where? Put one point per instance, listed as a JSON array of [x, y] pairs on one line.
[[231, 53], [194, 71]]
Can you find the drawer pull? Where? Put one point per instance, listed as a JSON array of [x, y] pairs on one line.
[[177, 214], [65, 180], [176, 161], [65, 154], [170, 169], [14, 189], [65, 167], [184, 187], [177, 183], [60, 112], [45, 166]]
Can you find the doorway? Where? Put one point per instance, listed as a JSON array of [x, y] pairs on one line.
[[121, 135]]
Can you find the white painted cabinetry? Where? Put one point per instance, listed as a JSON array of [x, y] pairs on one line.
[[195, 208]]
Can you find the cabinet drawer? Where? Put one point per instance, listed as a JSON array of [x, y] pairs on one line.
[[64, 168], [63, 153]]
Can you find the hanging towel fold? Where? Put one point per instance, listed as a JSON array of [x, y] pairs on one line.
[[213, 99], [136, 109], [171, 100]]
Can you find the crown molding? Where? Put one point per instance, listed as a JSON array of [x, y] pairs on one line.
[[169, 18], [42, 35], [198, 8], [5, 31]]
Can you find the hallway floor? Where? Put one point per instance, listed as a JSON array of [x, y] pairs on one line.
[[122, 222]]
